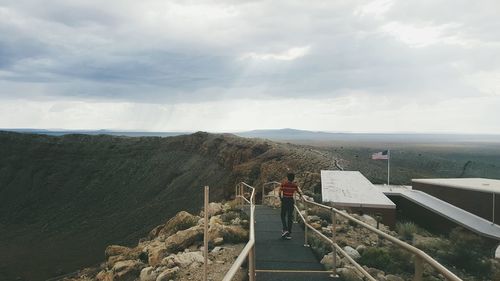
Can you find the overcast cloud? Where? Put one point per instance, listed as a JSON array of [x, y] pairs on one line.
[[363, 66]]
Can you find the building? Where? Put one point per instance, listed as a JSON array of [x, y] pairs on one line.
[[350, 190], [475, 195]]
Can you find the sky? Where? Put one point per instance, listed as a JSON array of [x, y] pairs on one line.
[[428, 66]]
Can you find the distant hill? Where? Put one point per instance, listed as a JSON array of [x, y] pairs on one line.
[[97, 132], [298, 136], [301, 135], [64, 198]]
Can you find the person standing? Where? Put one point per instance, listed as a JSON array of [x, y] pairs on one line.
[[287, 191]]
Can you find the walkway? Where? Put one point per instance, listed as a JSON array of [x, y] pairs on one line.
[[447, 210], [278, 259]]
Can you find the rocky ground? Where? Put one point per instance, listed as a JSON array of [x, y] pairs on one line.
[[174, 250]]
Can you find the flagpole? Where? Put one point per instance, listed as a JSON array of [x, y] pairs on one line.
[[388, 166]]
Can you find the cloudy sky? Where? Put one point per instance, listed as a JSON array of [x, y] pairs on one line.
[[158, 65]]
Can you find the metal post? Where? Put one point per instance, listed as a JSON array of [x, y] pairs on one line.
[[334, 241], [205, 235], [263, 192], [493, 216], [306, 222], [295, 215], [251, 264], [241, 197], [419, 269], [388, 167]]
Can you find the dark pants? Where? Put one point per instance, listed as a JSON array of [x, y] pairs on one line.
[[287, 213]]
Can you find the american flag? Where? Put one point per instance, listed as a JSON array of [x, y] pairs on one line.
[[382, 155]]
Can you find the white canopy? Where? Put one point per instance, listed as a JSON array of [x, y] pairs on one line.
[[352, 189]]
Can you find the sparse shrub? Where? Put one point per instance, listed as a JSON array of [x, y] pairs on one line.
[[233, 205], [352, 223], [406, 230], [392, 260], [401, 261], [375, 257], [470, 252], [229, 216], [324, 214], [317, 198], [319, 247]]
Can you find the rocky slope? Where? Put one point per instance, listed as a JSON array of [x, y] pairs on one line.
[[63, 199], [174, 250]]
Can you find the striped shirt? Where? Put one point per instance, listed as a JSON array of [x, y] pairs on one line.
[[288, 188]]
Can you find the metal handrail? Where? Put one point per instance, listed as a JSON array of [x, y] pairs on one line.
[[351, 260], [249, 249], [419, 254], [264, 189]]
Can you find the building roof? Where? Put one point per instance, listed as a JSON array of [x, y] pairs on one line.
[[352, 189], [474, 184]]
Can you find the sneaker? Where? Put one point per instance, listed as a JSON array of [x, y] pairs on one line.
[[284, 234], [288, 236]]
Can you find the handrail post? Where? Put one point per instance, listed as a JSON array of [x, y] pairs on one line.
[[263, 193], [306, 222], [334, 241], [205, 235], [251, 264], [294, 211], [419, 268], [241, 196]]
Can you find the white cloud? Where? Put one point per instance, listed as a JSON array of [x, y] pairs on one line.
[[486, 82], [354, 112], [288, 55], [166, 65], [422, 35], [376, 9]]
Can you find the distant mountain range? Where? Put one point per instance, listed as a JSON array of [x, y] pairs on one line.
[[288, 134]]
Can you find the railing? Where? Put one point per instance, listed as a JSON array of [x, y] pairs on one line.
[[249, 249], [419, 255], [264, 186]]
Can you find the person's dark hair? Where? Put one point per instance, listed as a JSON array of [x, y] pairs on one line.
[[290, 176]]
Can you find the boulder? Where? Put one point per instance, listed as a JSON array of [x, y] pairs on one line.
[[327, 261], [148, 274], [116, 250], [156, 254], [313, 218], [188, 259], [168, 262], [215, 229], [218, 241], [183, 239], [349, 273], [215, 209], [361, 249], [352, 252], [369, 220], [182, 220], [104, 276], [391, 277], [316, 225], [168, 274], [373, 271], [235, 234], [127, 270], [115, 253]]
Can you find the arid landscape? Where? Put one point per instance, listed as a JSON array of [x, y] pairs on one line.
[[65, 198]]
